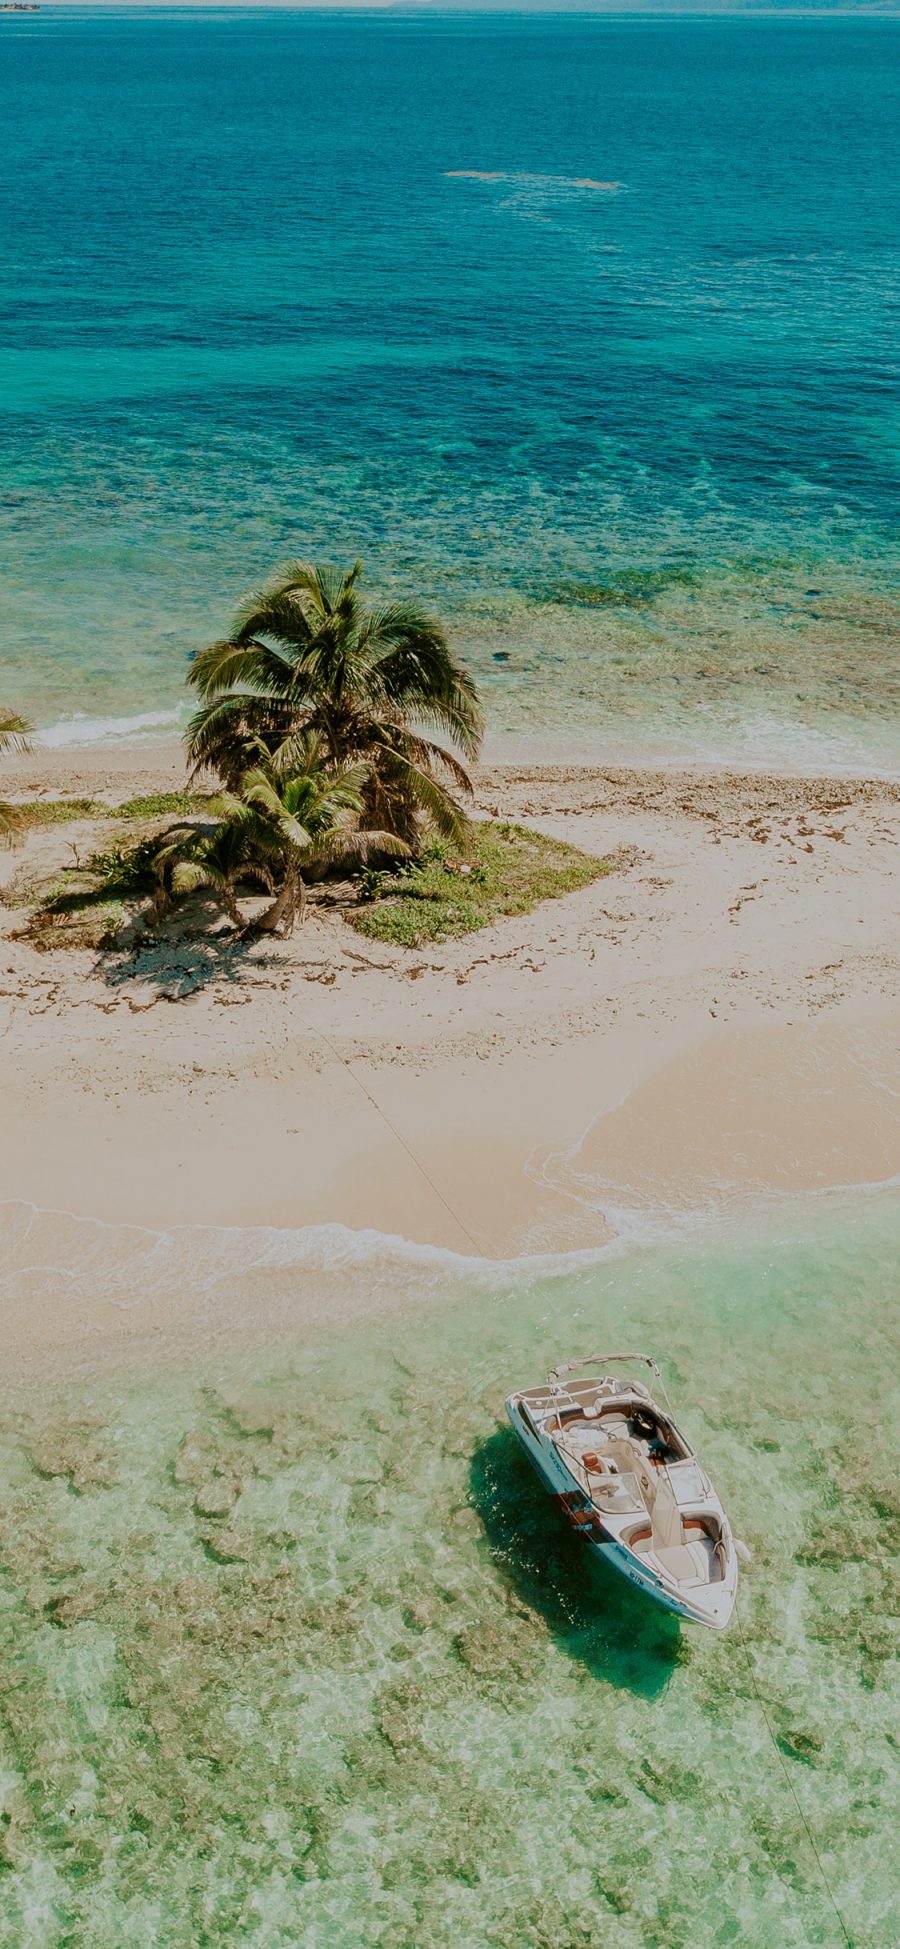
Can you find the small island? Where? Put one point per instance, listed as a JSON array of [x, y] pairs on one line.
[[18, 7]]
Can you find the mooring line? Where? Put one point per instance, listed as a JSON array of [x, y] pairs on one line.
[[400, 1139], [793, 1791]]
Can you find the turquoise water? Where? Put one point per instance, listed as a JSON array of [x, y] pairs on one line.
[[626, 412], [296, 1651]]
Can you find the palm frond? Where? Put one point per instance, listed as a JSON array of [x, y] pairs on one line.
[[13, 731], [327, 587], [346, 785], [450, 723], [420, 676], [262, 795], [432, 799], [302, 750], [357, 846], [428, 755], [395, 625], [227, 733], [188, 875], [10, 821], [247, 663], [288, 616]]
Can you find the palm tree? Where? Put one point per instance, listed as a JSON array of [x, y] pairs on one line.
[[13, 737], [292, 812], [375, 685], [216, 859]]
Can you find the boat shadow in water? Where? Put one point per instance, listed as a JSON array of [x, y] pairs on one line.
[[594, 1615]]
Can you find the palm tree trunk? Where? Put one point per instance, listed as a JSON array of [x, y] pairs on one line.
[[229, 902], [284, 909]]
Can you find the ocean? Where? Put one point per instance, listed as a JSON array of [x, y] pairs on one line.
[[583, 329]]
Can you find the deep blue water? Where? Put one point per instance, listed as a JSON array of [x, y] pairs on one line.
[[641, 442]]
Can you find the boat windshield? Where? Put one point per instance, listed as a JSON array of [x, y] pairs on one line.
[[618, 1492]]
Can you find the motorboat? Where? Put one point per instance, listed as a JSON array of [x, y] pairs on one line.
[[629, 1483]]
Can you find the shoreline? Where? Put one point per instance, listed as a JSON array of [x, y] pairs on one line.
[[717, 1018], [111, 765], [275, 1291]]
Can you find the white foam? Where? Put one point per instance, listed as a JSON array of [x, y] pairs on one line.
[[128, 1264], [763, 742], [81, 729], [240, 1275]]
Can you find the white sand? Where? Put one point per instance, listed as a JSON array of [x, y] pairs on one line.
[[719, 1015]]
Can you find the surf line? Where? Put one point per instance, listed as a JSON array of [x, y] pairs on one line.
[[793, 1791], [399, 1138]]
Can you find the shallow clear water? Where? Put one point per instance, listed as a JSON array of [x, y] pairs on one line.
[[296, 1650], [626, 412]]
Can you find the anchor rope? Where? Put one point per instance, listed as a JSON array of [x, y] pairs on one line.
[[400, 1139], [848, 1939]]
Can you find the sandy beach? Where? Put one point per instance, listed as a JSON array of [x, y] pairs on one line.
[[718, 1016]]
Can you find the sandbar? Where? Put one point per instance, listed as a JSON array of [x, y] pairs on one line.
[[717, 1019]]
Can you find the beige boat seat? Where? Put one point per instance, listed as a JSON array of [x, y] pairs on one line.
[[691, 1563], [687, 1556], [688, 1563]]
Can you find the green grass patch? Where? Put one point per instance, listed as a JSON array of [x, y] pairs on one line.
[[442, 896], [510, 870], [154, 805], [85, 905], [163, 805], [57, 812]]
